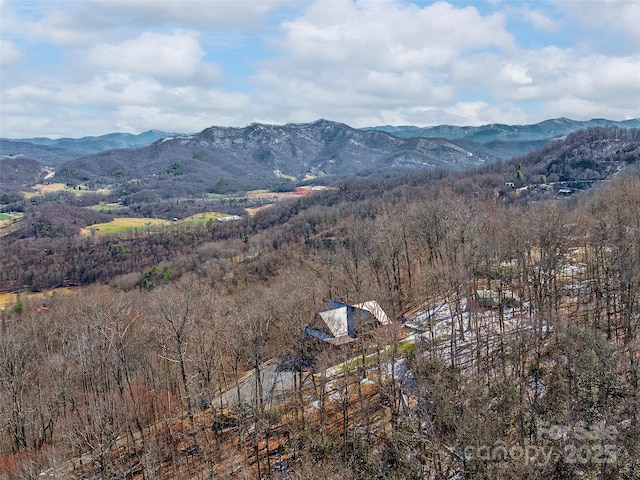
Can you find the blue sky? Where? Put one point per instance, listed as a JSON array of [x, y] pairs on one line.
[[71, 68]]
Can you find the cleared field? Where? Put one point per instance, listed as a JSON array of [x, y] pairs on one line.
[[50, 187], [106, 207], [122, 224], [300, 192], [256, 192], [9, 222], [253, 210], [265, 194], [7, 299], [202, 217], [10, 217], [41, 189], [279, 174]]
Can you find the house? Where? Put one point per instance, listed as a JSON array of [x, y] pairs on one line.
[[487, 298], [229, 218], [341, 322]]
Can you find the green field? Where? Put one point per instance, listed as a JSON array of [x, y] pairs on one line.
[[9, 222], [10, 216], [202, 217], [122, 224], [106, 208]]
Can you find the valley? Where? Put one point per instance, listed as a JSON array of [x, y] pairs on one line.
[[176, 345], [319, 240]]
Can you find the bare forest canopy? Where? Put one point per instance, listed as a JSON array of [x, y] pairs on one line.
[[46, 251], [518, 281]]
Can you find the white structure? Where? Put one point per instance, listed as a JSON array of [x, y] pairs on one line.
[[344, 320]]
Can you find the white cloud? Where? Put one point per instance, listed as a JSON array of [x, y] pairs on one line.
[[178, 119], [75, 28], [539, 20], [175, 57], [551, 73], [194, 13], [617, 17], [516, 73], [384, 55], [117, 102], [10, 55], [390, 35], [559, 72], [109, 90], [89, 22], [458, 113], [102, 65], [481, 113], [570, 106]]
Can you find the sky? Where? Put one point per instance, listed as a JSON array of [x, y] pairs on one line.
[[73, 68]]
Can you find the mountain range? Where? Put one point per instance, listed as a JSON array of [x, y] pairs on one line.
[[507, 141], [57, 151], [277, 157], [497, 132], [270, 156]]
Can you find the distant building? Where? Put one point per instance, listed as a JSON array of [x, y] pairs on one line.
[[341, 322], [229, 218], [487, 298]]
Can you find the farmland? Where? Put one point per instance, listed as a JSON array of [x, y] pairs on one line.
[[125, 224], [48, 188]]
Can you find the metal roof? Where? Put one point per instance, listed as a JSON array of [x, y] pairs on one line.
[[340, 319]]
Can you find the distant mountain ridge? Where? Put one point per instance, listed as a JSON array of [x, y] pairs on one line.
[[507, 141], [57, 151], [101, 143], [277, 157], [226, 159], [493, 140], [547, 129]]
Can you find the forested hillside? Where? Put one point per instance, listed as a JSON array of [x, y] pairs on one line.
[[508, 141], [20, 172], [52, 223], [229, 160], [513, 353]]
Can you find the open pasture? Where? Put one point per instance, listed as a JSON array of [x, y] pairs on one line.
[[122, 224], [42, 189]]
